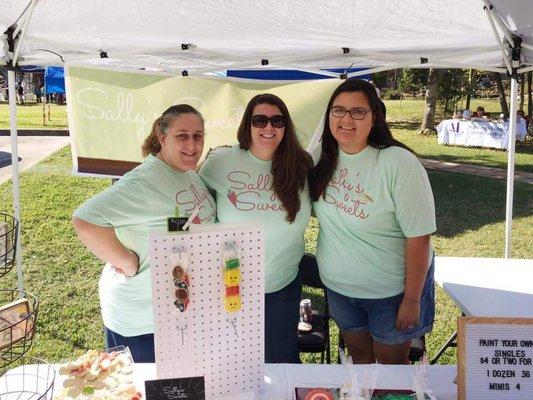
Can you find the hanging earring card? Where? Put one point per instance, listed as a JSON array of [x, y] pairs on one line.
[[196, 334]]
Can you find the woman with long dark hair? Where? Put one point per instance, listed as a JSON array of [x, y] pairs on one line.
[[264, 179], [375, 207]]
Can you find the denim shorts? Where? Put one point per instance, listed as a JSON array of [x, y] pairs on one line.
[[378, 316]]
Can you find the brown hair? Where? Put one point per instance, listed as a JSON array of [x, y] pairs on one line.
[[160, 126], [380, 136], [291, 163]]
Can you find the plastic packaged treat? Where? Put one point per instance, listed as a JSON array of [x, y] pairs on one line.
[[420, 380], [231, 272], [179, 265], [360, 381]]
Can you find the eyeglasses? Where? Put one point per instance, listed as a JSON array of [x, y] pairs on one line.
[[260, 121], [355, 113], [181, 281]]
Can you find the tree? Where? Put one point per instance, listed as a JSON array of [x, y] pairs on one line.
[[450, 89], [501, 91], [529, 100], [428, 120], [470, 89], [522, 89]]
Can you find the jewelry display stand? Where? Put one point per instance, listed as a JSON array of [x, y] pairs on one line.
[[227, 348]]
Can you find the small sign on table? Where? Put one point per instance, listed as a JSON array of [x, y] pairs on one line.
[[175, 389], [495, 358]]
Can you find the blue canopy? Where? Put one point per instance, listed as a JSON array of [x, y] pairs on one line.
[[54, 80], [288, 74]]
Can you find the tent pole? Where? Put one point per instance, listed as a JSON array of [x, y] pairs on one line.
[[510, 166], [15, 169]]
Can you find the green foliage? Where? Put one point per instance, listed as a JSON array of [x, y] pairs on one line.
[[451, 88], [412, 80], [391, 94]]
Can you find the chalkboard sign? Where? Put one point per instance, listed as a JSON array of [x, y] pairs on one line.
[[495, 358], [176, 389]]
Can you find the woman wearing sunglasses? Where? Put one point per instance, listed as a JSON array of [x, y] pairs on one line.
[[264, 179], [375, 206], [116, 223]]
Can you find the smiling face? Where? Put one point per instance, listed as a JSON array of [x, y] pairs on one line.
[[351, 134], [233, 303], [232, 277], [182, 145], [266, 140]]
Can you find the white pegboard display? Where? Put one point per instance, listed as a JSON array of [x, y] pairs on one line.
[[205, 340]]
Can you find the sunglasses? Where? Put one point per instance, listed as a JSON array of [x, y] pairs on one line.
[[181, 281], [260, 121]]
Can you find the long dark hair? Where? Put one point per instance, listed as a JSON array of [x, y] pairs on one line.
[[291, 163], [160, 126], [380, 135]]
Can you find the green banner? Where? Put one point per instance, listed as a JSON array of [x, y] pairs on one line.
[[111, 112]]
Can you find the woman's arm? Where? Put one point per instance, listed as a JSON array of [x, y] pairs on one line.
[[416, 268], [104, 244]]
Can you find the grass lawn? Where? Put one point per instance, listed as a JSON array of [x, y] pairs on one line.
[[30, 116], [64, 276], [404, 117]]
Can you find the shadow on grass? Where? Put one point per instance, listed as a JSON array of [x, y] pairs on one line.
[[467, 202], [408, 125]]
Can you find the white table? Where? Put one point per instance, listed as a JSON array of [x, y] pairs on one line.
[[281, 379], [488, 287], [478, 133]]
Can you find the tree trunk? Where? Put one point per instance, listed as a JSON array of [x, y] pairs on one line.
[[470, 89], [522, 90], [428, 121], [501, 91], [529, 100]]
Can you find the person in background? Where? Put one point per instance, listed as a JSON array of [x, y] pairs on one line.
[[115, 224], [376, 212], [20, 93], [264, 179], [520, 116], [480, 113], [38, 93]]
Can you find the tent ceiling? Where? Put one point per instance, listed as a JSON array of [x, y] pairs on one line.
[[292, 34]]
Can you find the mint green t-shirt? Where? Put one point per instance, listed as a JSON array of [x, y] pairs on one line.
[[140, 202], [375, 199], [243, 187]]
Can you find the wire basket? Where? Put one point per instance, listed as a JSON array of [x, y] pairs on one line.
[[8, 242], [18, 319], [32, 381]]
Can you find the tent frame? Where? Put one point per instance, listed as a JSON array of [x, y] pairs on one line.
[[511, 51]]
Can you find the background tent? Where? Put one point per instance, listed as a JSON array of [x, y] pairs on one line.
[[215, 35], [54, 79], [288, 74]]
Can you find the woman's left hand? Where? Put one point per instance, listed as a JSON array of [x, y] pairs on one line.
[[408, 315]]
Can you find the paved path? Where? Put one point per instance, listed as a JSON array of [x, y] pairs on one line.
[[31, 150], [488, 172]]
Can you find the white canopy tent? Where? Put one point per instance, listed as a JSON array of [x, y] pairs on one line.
[[193, 37]]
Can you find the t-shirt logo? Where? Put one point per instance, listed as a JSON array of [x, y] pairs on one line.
[[346, 196], [196, 197], [249, 192]]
